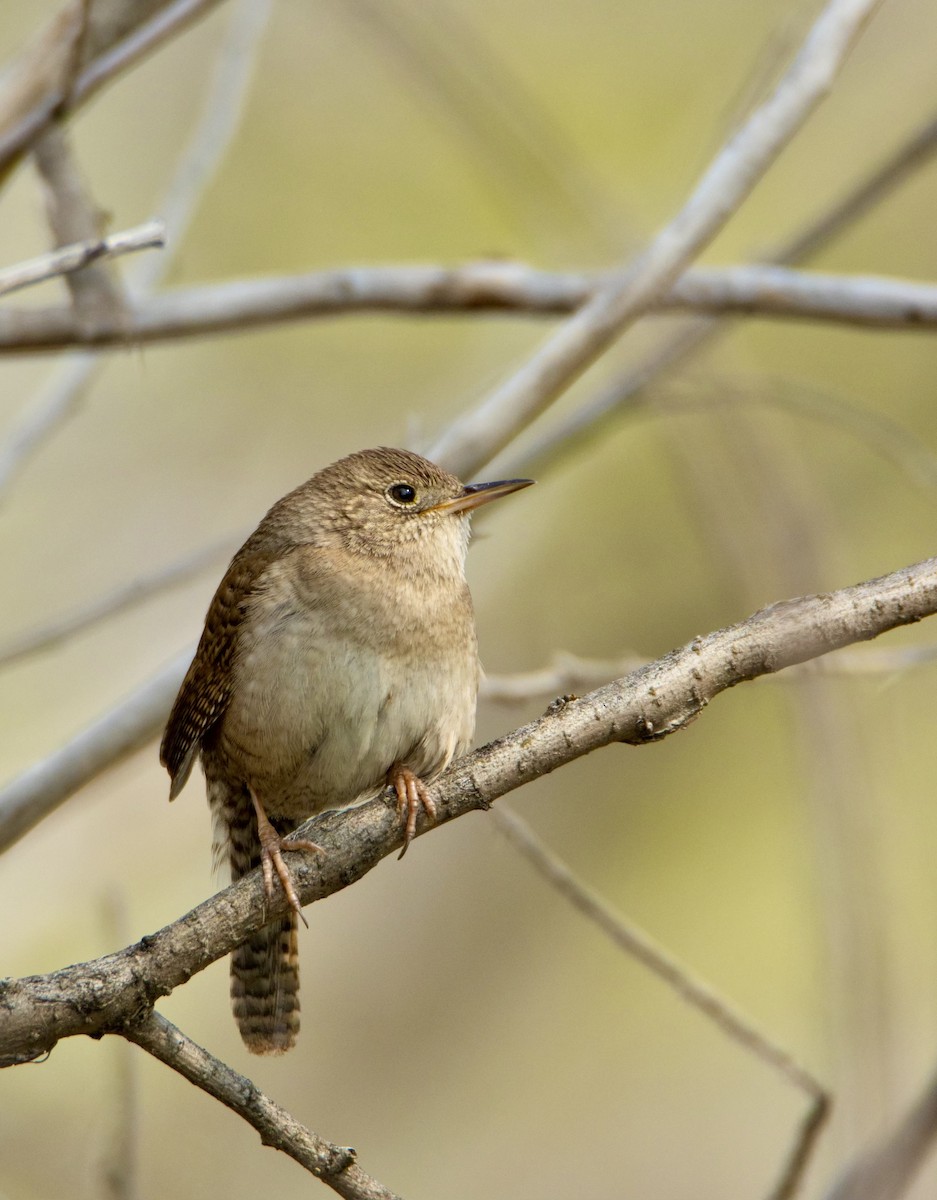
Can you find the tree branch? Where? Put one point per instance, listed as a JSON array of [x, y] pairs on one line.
[[868, 301], [41, 788], [73, 257], [481, 433], [217, 122], [692, 990], [334, 1165], [691, 337], [126, 596], [886, 1169], [659, 699], [69, 62]]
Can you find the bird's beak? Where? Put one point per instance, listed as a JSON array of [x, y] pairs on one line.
[[476, 494]]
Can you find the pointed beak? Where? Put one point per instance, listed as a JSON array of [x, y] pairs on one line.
[[476, 494]]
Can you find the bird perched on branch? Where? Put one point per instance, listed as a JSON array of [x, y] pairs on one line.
[[338, 656]]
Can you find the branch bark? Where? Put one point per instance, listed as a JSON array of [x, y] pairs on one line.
[[865, 301], [79, 254], [334, 1165], [659, 699]]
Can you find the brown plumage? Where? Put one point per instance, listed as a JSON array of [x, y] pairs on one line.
[[338, 655]]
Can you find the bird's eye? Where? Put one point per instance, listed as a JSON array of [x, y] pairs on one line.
[[402, 493]]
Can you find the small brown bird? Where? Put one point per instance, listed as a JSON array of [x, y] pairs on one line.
[[338, 656]]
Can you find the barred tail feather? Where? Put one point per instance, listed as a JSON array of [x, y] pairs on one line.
[[265, 969], [265, 988]]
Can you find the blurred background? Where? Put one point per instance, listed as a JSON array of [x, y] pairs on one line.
[[463, 1026]]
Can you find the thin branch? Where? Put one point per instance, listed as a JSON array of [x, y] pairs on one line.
[[221, 113], [48, 636], [334, 1165], [41, 788], [73, 216], [69, 62], [885, 1170], [692, 990], [472, 440], [641, 946], [914, 153], [659, 699], [695, 335], [569, 673], [148, 236]]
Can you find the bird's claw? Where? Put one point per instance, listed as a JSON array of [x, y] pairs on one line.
[[272, 846], [412, 796]]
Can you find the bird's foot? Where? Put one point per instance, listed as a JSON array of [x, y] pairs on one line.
[[272, 846], [412, 796]]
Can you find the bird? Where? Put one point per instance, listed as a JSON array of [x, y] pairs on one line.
[[338, 656]]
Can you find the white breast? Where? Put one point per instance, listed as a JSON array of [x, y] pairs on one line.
[[329, 697]]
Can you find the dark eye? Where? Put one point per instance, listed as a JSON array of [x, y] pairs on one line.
[[402, 493]]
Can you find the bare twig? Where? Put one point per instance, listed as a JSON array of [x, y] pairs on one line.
[[570, 673], [221, 113], [334, 1165], [885, 1170], [150, 235], [567, 673], [909, 157], [30, 797], [40, 789], [72, 58], [47, 637], [699, 995], [659, 699], [73, 217], [695, 335], [641, 946], [471, 441]]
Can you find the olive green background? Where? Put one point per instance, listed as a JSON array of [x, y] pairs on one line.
[[466, 1030]]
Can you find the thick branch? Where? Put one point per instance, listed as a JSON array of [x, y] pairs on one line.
[[869, 301], [661, 698]]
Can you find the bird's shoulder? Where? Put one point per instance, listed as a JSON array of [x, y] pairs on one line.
[[206, 689]]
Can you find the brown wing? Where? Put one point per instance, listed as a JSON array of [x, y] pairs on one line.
[[206, 689]]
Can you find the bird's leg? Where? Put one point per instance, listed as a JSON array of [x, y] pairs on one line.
[[411, 797], [272, 846]]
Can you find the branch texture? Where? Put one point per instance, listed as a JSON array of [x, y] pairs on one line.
[[80, 254], [867, 301], [334, 1165], [660, 698]]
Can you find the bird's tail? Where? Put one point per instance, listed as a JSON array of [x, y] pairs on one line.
[[265, 988], [265, 969]]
